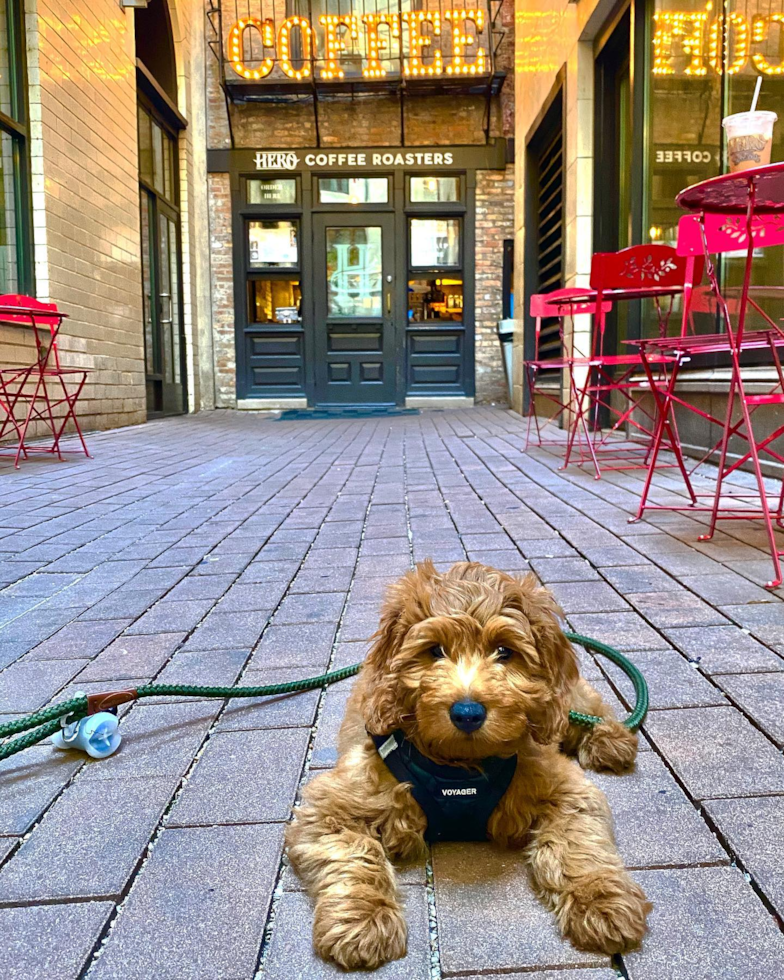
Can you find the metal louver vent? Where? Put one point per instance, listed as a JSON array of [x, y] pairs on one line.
[[549, 238]]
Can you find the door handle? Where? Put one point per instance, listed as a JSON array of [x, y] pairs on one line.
[[389, 302]]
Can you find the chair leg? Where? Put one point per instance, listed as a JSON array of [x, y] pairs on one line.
[[577, 410], [724, 446], [775, 582], [70, 401]]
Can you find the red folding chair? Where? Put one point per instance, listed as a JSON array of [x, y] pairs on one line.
[[716, 234], [608, 384], [44, 391], [558, 304]]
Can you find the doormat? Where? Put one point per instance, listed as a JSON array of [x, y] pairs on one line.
[[345, 412]]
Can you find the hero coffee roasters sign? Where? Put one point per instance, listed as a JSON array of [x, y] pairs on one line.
[[329, 160]]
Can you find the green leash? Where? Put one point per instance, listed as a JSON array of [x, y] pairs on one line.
[[41, 724]]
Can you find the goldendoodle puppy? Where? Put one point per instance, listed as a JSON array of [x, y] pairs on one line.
[[457, 729]]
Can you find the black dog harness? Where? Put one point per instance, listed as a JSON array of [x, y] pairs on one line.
[[457, 801]]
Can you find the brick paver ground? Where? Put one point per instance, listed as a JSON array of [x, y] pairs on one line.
[[228, 548]]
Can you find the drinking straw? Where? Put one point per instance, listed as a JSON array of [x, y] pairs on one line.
[[756, 93]]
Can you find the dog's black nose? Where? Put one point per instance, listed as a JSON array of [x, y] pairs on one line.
[[468, 716]]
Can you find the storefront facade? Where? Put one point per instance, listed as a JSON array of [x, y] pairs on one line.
[[361, 203], [633, 95], [103, 199]]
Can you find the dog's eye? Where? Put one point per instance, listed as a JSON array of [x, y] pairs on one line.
[[504, 653], [437, 652]]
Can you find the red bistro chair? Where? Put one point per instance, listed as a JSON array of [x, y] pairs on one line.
[[640, 272], [44, 391], [559, 305], [716, 234]]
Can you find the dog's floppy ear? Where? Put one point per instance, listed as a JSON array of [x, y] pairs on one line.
[[549, 718], [406, 603]]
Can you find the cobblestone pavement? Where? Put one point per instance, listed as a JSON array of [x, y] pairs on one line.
[[225, 547]]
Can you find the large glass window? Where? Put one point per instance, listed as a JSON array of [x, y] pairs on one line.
[[15, 240], [157, 153], [703, 64], [161, 263]]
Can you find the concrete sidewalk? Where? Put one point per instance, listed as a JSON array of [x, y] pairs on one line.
[[223, 548]]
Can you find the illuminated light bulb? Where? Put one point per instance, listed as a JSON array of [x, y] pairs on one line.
[[461, 40], [417, 41], [306, 37], [759, 32], [742, 44], [236, 34], [334, 40]]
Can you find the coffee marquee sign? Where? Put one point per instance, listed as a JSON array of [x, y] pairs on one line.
[[360, 46], [688, 42]]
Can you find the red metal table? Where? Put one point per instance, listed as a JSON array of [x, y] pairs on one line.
[[24, 391], [739, 212]]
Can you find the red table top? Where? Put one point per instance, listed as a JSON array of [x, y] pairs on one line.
[[29, 311], [710, 343], [729, 193], [633, 292]]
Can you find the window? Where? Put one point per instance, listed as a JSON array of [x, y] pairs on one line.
[[16, 267], [435, 242], [440, 190], [273, 244], [353, 190], [354, 267], [157, 153], [691, 87], [273, 190], [274, 301], [435, 299]]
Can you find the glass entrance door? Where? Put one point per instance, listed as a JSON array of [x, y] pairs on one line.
[[161, 268], [354, 308]]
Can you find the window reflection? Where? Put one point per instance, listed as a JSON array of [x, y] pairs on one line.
[[273, 244], [440, 189], [686, 75], [435, 299], [435, 242], [353, 190], [275, 301], [275, 190], [354, 272]]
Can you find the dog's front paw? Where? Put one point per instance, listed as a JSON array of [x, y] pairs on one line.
[[609, 747], [609, 917], [358, 934]]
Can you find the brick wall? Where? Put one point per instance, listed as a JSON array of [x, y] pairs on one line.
[[494, 224], [222, 291]]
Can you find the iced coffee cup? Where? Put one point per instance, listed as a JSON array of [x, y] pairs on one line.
[[749, 138]]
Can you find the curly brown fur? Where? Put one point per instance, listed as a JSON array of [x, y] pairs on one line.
[[357, 819]]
